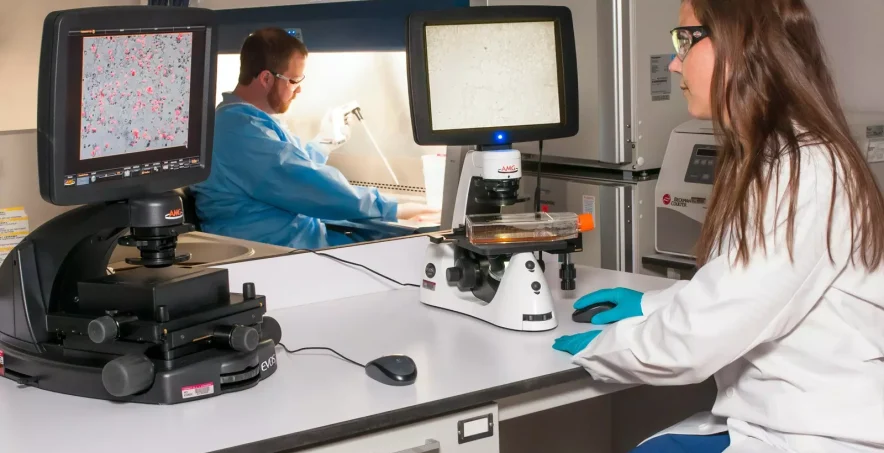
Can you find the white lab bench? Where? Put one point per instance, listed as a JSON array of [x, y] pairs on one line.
[[471, 375]]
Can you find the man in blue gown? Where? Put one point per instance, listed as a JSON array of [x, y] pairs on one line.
[[266, 185]]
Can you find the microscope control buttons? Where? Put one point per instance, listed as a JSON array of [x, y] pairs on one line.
[[530, 265], [535, 286], [430, 270]]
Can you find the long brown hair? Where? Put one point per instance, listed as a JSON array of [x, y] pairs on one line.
[[770, 74]]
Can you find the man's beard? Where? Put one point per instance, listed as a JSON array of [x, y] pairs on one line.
[[278, 105]]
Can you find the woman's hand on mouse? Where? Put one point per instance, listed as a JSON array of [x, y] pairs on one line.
[[628, 304], [572, 344]]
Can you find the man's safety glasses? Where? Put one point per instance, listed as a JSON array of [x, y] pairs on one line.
[[289, 79], [683, 38]]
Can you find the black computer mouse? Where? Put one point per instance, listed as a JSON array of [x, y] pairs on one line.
[[396, 370], [585, 314]]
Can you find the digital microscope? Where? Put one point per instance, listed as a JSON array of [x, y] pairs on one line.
[[471, 84], [124, 118]]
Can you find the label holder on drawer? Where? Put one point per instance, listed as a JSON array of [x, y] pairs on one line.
[[476, 428]]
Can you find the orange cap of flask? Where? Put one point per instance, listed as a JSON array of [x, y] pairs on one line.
[[585, 222]]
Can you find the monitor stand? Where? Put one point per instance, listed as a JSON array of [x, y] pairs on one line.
[[156, 334]]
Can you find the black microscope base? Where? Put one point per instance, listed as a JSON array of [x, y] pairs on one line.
[[197, 376]]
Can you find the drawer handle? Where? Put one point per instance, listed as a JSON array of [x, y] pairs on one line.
[[431, 446]]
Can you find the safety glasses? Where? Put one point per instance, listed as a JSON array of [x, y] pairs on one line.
[[289, 79], [683, 38]]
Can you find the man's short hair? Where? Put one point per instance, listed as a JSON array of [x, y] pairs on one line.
[[267, 49]]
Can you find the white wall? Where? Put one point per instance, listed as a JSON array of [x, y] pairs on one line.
[[21, 30], [852, 33], [18, 177]]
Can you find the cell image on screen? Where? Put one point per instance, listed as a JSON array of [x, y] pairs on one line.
[[136, 93], [492, 75]]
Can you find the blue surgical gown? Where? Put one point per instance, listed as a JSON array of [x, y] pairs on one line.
[[266, 186]]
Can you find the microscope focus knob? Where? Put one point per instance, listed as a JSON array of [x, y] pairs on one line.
[[465, 274], [103, 330], [128, 375], [238, 338], [244, 338], [453, 274]]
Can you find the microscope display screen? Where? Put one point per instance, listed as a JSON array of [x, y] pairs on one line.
[[135, 93], [138, 92], [510, 69]]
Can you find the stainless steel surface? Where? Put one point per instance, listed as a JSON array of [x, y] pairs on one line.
[[622, 125], [207, 250], [454, 156], [623, 81], [607, 47]]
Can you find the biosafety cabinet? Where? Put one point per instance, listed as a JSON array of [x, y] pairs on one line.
[[629, 101]]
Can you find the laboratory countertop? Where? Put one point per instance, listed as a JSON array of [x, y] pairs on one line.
[[315, 397]]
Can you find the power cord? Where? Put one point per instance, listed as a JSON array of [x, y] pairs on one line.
[[316, 348], [537, 192], [537, 189], [340, 260], [321, 348]]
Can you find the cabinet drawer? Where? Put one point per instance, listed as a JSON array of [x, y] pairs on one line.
[[472, 431]]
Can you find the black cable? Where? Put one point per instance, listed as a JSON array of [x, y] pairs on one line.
[[412, 285], [537, 192], [537, 189], [318, 348]]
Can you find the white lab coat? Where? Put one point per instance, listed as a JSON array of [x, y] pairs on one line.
[[796, 348]]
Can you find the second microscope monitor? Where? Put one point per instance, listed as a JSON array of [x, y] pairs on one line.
[[492, 75]]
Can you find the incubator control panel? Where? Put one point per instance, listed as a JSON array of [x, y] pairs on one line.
[[701, 167]]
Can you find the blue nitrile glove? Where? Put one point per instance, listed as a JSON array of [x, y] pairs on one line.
[[628, 304], [572, 344]]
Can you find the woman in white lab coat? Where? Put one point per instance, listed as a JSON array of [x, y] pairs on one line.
[[787, 307]]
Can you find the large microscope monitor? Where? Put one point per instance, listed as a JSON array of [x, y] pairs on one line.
[[492, 75], [124, 111], [123, 120]]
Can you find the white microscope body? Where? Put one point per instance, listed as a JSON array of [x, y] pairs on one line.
[[507, 289]]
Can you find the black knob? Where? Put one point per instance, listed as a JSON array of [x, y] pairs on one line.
[[529, 265], [128, 375], [271, 329], [535, 286], [468, 273], [248, 291], [453, 274], [103, 330], [244, 339]]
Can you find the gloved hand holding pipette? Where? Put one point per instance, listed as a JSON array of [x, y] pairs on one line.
[[334, 130]]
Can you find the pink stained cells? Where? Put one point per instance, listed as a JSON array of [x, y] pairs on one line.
[[151, 73]]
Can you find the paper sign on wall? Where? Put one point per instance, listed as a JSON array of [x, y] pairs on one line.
[[661, 78], [13, 228], [876, 151], [589, 207]]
